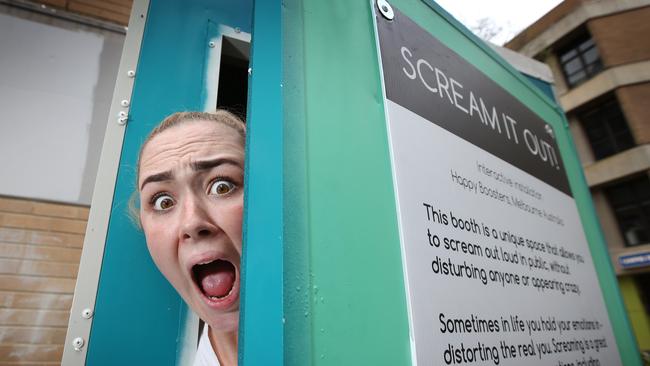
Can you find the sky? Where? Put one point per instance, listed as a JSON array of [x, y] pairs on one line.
[[512, 16]]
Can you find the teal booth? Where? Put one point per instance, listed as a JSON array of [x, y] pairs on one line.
[[326, 274]]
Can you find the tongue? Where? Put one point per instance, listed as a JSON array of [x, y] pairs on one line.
[[216, 278]]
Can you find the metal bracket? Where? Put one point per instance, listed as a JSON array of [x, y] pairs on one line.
[[82, 312]]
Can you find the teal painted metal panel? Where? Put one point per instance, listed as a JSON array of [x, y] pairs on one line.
[[344, 298], [298, 293], [139, 317], [261, 318]]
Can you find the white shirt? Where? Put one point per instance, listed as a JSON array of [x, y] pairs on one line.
[[205, 355]]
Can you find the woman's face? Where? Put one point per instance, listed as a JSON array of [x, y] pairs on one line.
[[191, 199]]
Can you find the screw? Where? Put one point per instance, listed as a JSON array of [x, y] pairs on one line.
[[211, 44], [385, 9], [130, 73], [122, 117], [77, 343], [124, 103], [87, 313], [237, 30]]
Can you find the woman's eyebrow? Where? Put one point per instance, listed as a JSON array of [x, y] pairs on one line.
[[209, 164], [159, 177], [196, 165]]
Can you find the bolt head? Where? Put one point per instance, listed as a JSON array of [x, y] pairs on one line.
[[385, 9], [77, 343], [86, 313], [211, 44], [124, 103], [130, 73]]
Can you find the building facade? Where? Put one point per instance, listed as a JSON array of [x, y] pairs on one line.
[[56, 84], [599, 53]]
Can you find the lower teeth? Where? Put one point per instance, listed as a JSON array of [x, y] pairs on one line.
[[218, 297]]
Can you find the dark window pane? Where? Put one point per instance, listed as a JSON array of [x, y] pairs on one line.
[[616, 126], [624, 141], [573, 66], [631, 204], [646, 211], [606, 129], [591, 55], [602, 150], [565, 57], [596, 132], [618, 195]]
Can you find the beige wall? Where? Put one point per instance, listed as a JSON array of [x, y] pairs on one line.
[[40, 247], [622, 38], [635, 103], [585, 153]]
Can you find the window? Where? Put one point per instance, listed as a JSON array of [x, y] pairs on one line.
[[580, 61], [631, 204], [606, 129]]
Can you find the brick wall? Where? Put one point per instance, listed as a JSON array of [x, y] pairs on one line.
[[40, 247], [116, 11], [622, 38]]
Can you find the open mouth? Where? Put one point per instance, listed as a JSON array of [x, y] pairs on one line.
[[215, 279]]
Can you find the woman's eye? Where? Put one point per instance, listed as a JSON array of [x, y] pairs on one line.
[[163, 202], [221, 187]]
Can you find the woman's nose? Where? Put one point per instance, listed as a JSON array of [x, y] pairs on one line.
[[196, 222]]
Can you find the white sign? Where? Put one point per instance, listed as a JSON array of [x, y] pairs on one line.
[[497, 266]]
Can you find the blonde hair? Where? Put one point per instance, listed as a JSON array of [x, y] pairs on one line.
[[219, 116]]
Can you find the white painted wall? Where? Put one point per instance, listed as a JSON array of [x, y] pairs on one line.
[[56, 84]]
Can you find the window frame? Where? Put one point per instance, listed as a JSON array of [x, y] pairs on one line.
[[606, 115], [589, 69]]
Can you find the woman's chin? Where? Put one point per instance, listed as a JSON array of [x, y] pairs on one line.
[[223, 323]]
